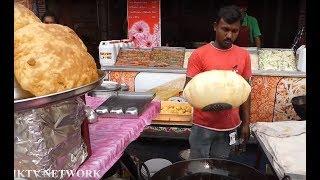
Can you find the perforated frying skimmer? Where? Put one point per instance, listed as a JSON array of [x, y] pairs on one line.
[[217, 107]]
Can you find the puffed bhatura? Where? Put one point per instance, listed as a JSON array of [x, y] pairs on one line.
[[217, 86], [50, 58], [23, 16]]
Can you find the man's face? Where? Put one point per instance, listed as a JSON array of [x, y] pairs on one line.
[[49, 20], [226, 33]]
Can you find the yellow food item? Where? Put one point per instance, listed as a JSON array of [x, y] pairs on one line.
[[23, 16], [50, 58], [177, 108]]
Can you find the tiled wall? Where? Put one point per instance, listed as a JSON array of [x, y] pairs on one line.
[[271, 98], [263, 98], [287, 89]]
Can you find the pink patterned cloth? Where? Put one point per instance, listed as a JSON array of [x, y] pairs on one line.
[[109, 137]]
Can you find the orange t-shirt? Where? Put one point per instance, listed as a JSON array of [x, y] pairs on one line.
[[208, 58]]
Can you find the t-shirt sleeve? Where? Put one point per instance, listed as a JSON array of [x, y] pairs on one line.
[[255, 28], [247, 72], [194, 65]]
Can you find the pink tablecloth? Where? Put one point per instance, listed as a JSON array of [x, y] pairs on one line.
[[110, 137]]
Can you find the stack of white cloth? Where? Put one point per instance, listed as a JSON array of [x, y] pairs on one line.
[[285, 142]]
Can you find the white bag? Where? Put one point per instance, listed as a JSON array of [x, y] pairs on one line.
[[108, 51], [107, 54], [302, 61]]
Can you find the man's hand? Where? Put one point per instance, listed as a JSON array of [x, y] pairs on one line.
[[258, 42], [245, 117], [245, 132]]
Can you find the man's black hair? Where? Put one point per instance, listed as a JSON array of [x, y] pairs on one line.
[[49, 14], [229, 14]]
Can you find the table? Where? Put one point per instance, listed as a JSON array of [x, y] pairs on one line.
[[109, 137], [284, 144]]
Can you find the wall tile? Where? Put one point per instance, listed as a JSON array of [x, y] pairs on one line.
[[287, 89], [263, 98]]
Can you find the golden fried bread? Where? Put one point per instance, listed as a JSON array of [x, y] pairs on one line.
[[50, 58], [23, 16]]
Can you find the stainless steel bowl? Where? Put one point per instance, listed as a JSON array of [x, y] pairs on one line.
[[102, 110], [108, 86], [116, 110], [132, 110]]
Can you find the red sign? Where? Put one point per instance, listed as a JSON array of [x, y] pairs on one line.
[[144, 23]]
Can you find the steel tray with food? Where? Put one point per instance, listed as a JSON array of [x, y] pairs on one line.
[[167, 57], [175, 111], [130, 56], [125, 105], [277, 59], [36, 102]]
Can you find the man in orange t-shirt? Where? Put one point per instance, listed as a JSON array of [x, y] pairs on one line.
[[211, 131]]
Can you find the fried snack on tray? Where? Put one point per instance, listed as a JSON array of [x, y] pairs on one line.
[[23, 16], [50, 58]]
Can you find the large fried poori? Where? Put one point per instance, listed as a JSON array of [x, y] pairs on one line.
[[50, 58], [23, 16]]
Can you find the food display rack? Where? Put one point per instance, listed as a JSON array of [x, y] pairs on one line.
[[184, 71], [274, 107]]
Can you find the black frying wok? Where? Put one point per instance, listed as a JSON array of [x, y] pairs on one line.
[[208, 169], [299, 105]]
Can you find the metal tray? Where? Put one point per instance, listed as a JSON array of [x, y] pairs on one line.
[[169, 48], [108, 86], [125, 100], [102, 94], [105, 93], [35, 102], [284, 49], [273, 49]]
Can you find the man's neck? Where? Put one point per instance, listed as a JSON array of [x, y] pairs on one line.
[[216, 45]]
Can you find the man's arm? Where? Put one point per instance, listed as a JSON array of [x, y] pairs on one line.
[[194, 68], [257, 41], [245, 118], [186, 82], [256, 32]]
